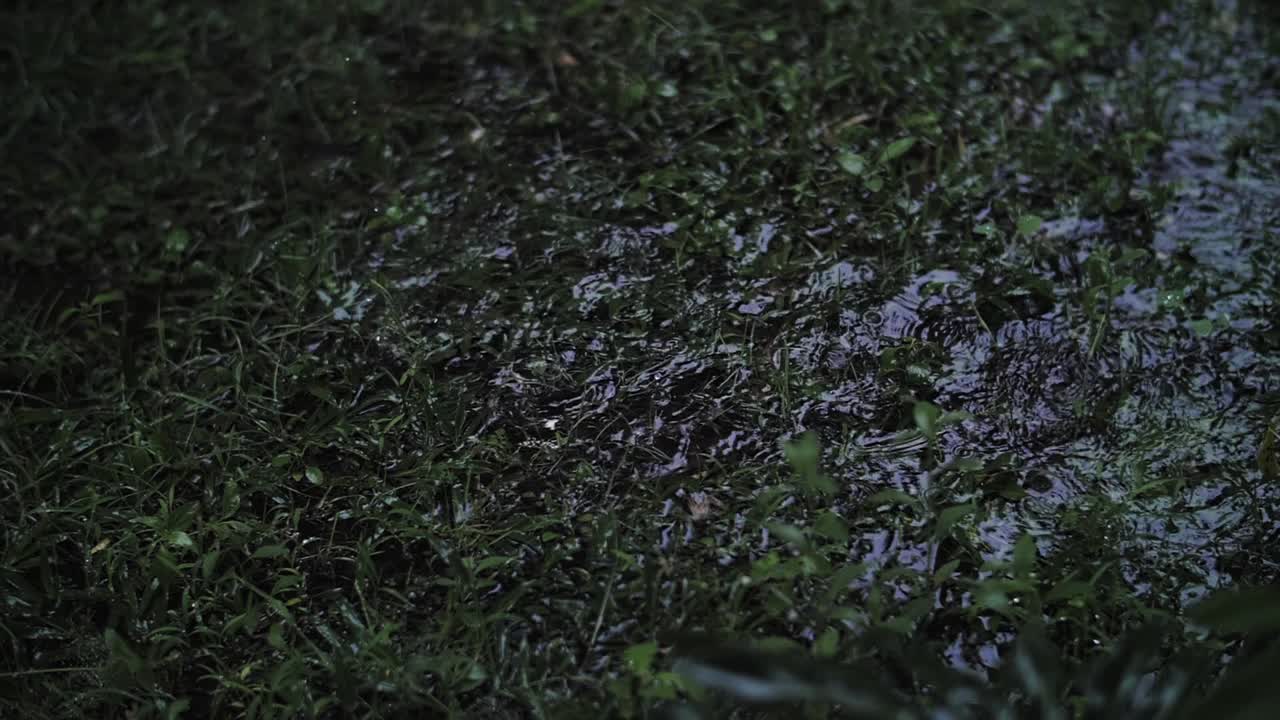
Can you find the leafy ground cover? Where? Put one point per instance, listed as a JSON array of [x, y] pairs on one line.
[[381, 359]]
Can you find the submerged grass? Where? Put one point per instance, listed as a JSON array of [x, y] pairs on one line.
[[384, 359]]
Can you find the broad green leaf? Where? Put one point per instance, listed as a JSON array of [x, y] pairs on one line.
[[269, 552], [1036, 668], [827, 643], [952, 515], [639, 657], [121, 652], [841, 580], [945, 572], [755, 675], [177, 241], [1068, 589], [789, 533], [1029, 225], [1245, 610], [492, 561], [832, 526], [954, 417], [892, 497], [1024, 556], [803, 453], [905, 621], [897, 149], [275, 637], [926, 415], [851, 163], [107, 297]]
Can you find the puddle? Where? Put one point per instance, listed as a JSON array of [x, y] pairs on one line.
[[608, 353]]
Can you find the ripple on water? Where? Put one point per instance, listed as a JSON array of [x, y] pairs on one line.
[[1155, 419]]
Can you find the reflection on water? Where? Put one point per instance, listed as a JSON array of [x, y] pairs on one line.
[[1127, 421]]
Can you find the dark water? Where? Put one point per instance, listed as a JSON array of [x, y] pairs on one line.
[[628, 367]]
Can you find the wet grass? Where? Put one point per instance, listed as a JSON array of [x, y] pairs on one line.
[[485, 359]]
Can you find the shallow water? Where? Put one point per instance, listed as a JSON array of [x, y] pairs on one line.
[[658, 360]]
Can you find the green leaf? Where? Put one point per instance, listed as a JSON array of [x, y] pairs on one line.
[[1202, 326], [208, 563], [948, 518], [107, 297], [314, 475], [788, 533], [1029, 225], [492, 561], [285, 582], [851, 162], [176, 241], [269, 552], [582, 7], [1069, 589], [841, 580], [1247, 691], [896, 149], [803, 453], [634, 93], [639, 657], [755, 675], [1247, 610], [765, 567], [1037, 670], [926, 415], [892, 497], [954, 417], [945, 572], [275, 637], [832, 526], [1024, 557], [914, 611], [827, 643], [121, 652]]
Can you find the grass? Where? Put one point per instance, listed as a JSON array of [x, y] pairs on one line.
[[484, 359]]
